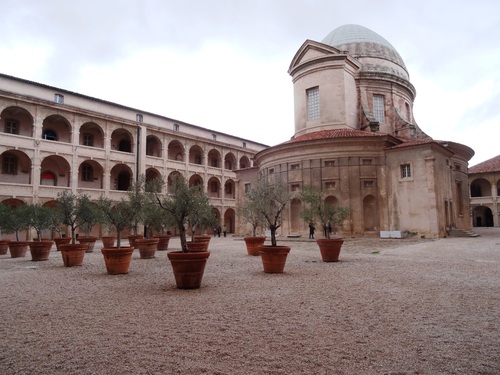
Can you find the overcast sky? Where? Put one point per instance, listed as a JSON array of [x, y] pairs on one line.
[[222, 64]]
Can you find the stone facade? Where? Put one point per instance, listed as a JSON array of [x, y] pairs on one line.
[[54, 140], [484, 180], [356, 139]]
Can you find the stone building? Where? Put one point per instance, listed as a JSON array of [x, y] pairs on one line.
[[357, 140], [484, 180], [54, 140]]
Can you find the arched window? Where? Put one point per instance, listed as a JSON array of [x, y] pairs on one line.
[[48, 179]]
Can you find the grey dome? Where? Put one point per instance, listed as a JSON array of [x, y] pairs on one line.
[[373, 51]]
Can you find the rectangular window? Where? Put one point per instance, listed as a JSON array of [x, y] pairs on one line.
[[294, 167], [214, 136], [295, 187], [138, 117], [244, 144], [330, 185], [58, 98], [271, 170], [367, 161], [247, 188], [88, 140], [313, 103], [329, 163], [405, 170], [368, 184], [9, 165], [11, 127], [378, 108], [176, 127], [214, 187]]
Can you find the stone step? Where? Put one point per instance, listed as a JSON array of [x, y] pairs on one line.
[[462, 233]]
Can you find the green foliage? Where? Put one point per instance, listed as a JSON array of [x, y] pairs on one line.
[[185, 204], [316, 209], [268, 200], [120, 215], [39, 218], [14, 220], [248, 212], [138, 198], [76, 211]]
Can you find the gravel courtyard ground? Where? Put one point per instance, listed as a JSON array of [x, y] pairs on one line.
[[411, 306]]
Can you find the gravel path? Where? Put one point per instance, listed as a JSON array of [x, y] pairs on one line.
[[387, 307]]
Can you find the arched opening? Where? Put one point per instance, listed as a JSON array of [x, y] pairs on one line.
[[214, 158], [56, 128], [59, 167], [195, 180], [17, 120], [230, 161], [229, 220], [229, 189], [153, 146], [90, 175], [175, 151], [196, 155], [123, 181], [121, 177], [482, 217], [244, 162], [121, 140], [91, 135], [16, 167], [480, 188], [214, 187]]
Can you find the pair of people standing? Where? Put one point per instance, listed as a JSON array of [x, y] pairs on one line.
[[218, 230]]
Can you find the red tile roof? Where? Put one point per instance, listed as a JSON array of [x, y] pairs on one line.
[[337, 133], [491, 165]]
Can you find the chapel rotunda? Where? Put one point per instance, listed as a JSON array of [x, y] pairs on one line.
[[357, 140]]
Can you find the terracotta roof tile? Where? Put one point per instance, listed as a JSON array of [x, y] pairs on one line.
[[408, 142], [490, 165], [337, 133]]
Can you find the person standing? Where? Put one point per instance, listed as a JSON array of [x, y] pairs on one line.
[[311, 230], [224, 230]]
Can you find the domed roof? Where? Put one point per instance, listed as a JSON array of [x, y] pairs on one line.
[[372, 50]]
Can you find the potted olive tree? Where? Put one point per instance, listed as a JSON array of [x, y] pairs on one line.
[[256, 220], [16, 220], [269, 199], [68, 208], [4, 243], [315, 208], [137, 199], [201, 218], [182, 203], [88, 216], [39, 218], [119, 216]]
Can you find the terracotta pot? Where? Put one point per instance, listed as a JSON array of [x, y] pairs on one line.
[[330, 248], [108, 241], [18, 249], [274, 258], [61, 241], [40, 250], [147, 247], [188, 268], [197, 246], [132, 238], [163, 242], [203, 239], [4, 246], [73, 253], [253, 244], [117, 259], [89, 241]]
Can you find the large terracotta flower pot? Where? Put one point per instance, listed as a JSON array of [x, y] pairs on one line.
[[147, 247], [73, 253], [89, 241], [117, 259], [188, 268], [61, 241], [132, 238], [197, 246], [330, 248], [163, 242], [18, 249], [205, 239], [253, 244], [274, 258], [4, 246], [108, 241], [40, 250]]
